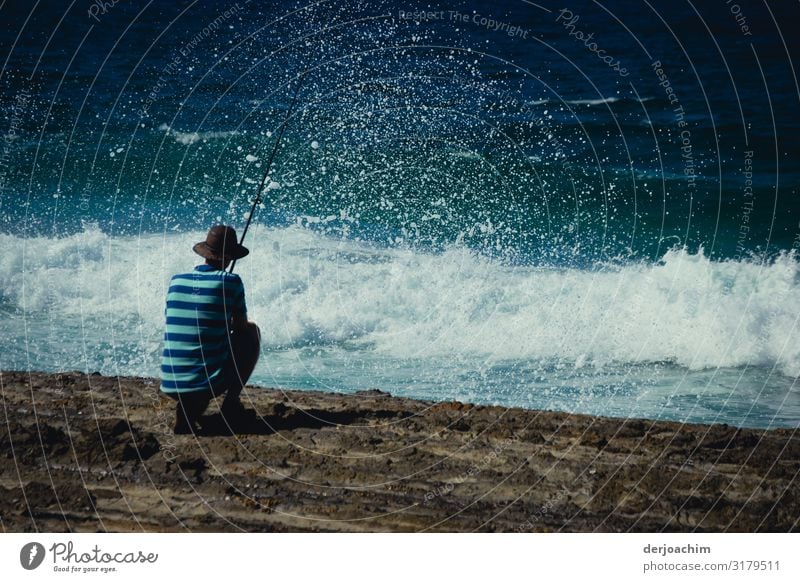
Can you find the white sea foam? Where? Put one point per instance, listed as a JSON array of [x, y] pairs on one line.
[[305, 289], [589, 102], [600, 101], [191, 137]]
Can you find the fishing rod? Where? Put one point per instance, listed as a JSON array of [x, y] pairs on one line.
[[257, 199]]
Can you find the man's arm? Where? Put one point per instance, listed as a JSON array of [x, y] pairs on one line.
[[239, 320]]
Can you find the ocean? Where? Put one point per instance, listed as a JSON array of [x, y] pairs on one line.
[[582, 207]]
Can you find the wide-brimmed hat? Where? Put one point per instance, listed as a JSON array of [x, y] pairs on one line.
[[221, 244]]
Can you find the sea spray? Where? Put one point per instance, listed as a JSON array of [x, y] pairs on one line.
[[306, 289]]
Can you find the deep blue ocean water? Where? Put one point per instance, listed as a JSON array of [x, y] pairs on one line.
[[581, 206]]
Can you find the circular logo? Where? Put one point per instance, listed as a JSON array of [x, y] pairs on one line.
[[31, 555]]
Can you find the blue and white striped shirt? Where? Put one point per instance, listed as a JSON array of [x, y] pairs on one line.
[[200, 306]]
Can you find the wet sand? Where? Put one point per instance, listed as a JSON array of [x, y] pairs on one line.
[[93, 453]]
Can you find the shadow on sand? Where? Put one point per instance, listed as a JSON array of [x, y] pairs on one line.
[[286, 419]]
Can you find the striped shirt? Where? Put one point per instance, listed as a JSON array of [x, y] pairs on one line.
[[200, 306]]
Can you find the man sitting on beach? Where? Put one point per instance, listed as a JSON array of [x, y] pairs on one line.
[[209, 346]]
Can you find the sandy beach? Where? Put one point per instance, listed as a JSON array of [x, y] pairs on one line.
[[93, 453]]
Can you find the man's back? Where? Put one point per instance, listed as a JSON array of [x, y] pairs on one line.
[[200, 305]]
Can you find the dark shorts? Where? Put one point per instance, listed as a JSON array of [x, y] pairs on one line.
[[245, 348]]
